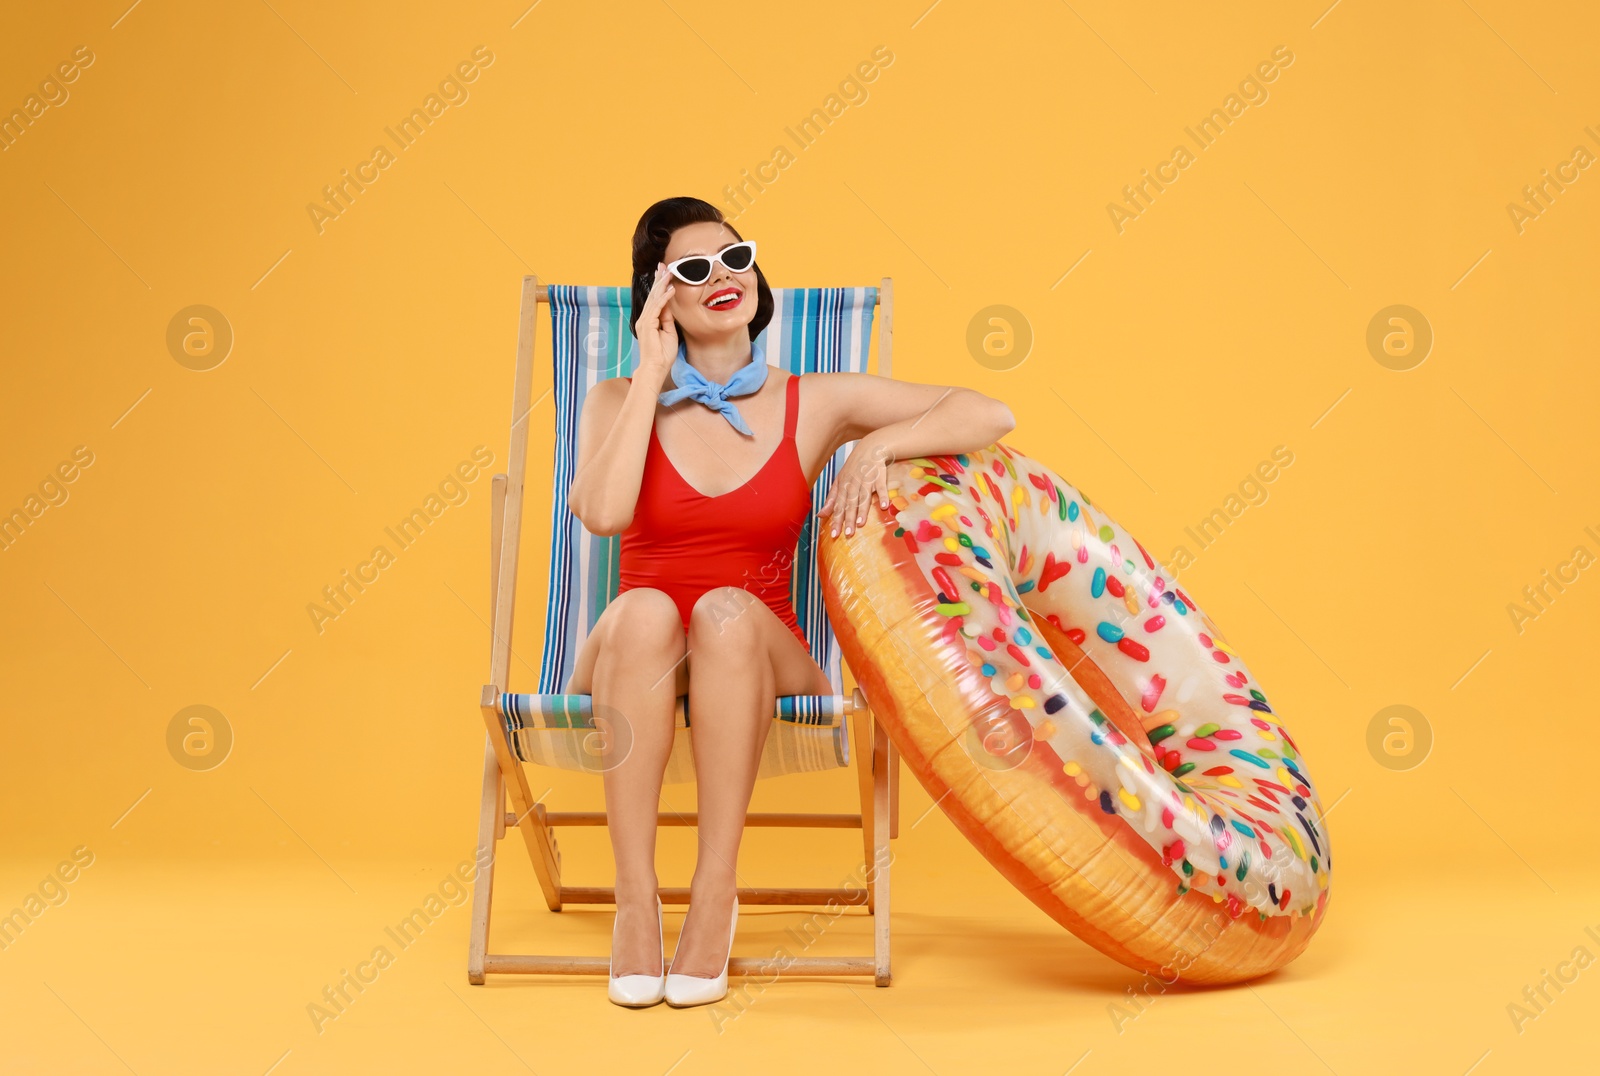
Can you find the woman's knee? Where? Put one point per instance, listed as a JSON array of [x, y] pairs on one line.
[[640, 623], [644, 619], [724, 615]]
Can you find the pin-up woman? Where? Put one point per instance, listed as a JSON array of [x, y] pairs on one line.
[[709, 496]]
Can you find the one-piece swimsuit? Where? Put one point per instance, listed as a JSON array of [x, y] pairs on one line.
[[685, 543]]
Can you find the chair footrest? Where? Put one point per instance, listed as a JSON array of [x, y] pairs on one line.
[[739, 965], [596, 894]]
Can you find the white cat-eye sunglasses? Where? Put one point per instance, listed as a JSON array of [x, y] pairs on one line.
[[696, 268]]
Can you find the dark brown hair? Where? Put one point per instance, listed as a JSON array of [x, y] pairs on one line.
[[650, 241]]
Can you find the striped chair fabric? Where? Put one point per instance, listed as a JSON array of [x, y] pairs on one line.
[[812, 330]]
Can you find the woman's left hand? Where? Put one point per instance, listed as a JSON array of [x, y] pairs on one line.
[[865, 474]]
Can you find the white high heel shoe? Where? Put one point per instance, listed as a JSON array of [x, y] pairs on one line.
[[686, 990], [637, 991]]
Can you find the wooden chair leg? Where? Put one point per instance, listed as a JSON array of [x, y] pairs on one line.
[[879, 887], [894, 790], [500, 798], [529, 821], [491, 823], [861, 728]]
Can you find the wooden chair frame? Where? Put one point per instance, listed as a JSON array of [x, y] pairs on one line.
[[877, 761]]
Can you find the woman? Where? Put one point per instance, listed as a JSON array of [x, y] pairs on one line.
[[703, 461]]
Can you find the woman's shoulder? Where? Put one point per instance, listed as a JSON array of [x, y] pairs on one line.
[[823, 388], [605, 398], [827, 380], [840, 378]]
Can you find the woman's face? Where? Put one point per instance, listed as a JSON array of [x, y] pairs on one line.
[[688, 302]]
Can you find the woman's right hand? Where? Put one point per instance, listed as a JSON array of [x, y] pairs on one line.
[[657, 332]]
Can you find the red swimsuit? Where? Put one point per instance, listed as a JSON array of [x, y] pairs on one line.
[[685, 543]]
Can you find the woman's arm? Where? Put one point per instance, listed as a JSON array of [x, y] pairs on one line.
[[892, 420], [614, 429], [909, 419], [613, 437]]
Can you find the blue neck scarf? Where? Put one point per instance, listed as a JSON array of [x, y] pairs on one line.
[[693, 385]]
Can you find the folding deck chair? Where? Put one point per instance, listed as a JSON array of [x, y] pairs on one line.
[[812, 329]]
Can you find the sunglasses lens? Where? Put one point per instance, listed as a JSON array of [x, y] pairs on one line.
[[738, 258], [695, 270]]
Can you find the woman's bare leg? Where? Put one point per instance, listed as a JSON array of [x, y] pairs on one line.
[[632, 664], [741, 657]]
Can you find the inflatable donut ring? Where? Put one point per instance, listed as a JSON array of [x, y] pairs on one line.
[[1081, 721]]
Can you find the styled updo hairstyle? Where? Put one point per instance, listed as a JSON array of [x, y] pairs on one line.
[[650, 241]]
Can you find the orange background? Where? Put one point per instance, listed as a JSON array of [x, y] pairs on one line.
[[1168, 360]]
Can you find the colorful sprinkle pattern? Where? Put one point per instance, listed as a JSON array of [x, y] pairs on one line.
[[1220, 791]]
